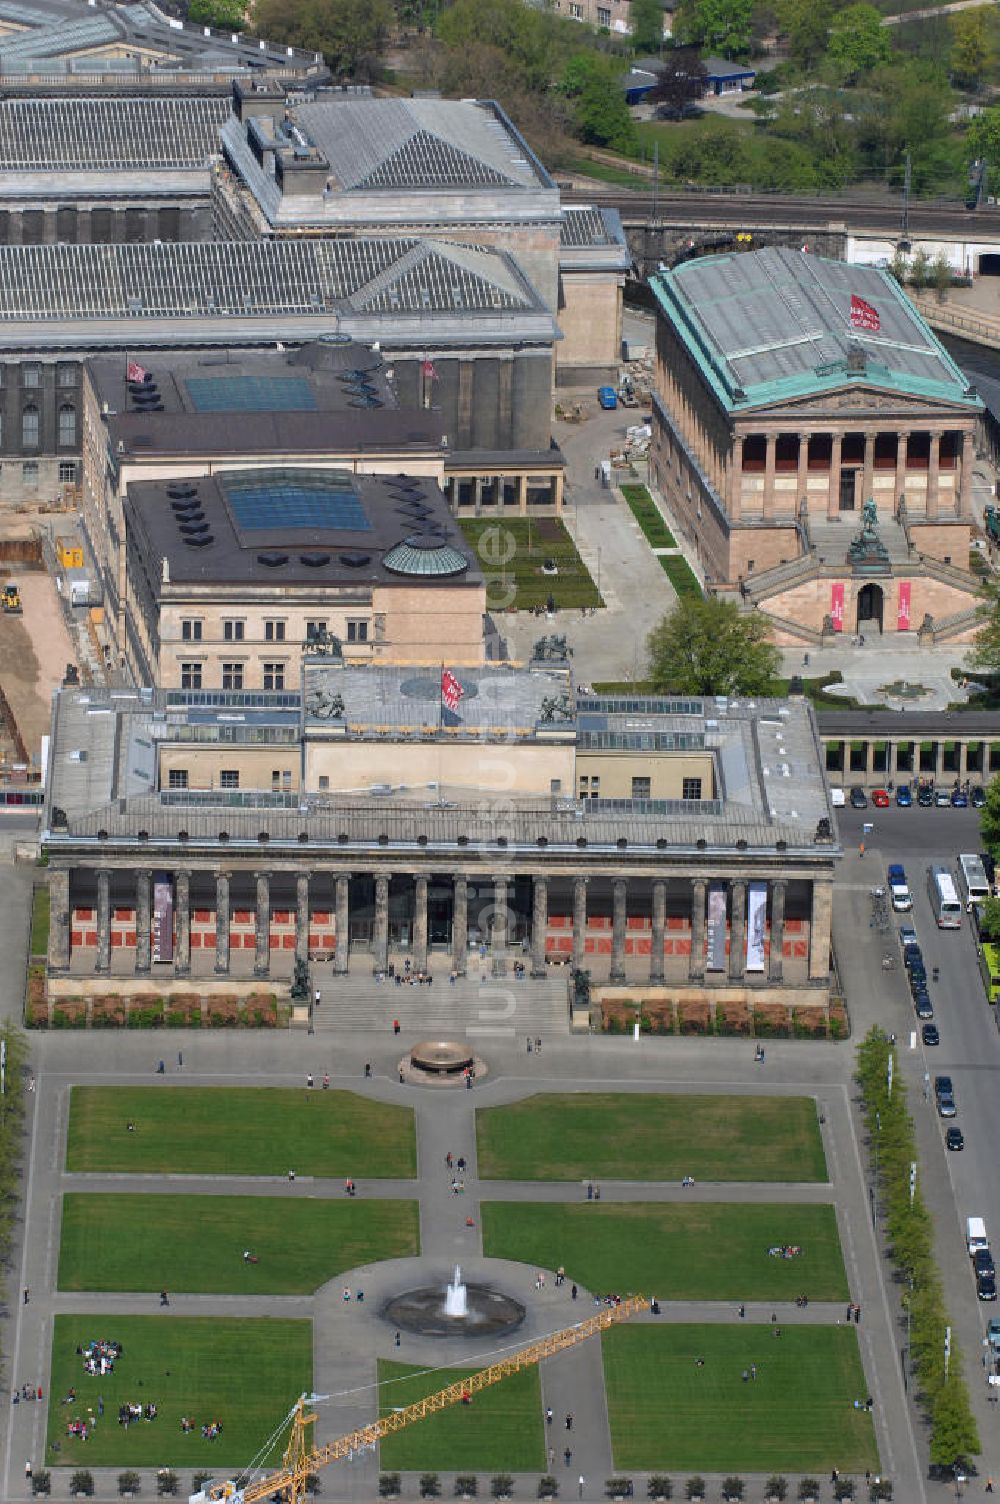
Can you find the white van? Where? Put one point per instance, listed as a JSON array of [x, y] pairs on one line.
[[975, 1235]]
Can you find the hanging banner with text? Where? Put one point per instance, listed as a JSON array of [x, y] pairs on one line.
[[163, 917], [716, 960], [756, 925], [903, 609], [837, 606]]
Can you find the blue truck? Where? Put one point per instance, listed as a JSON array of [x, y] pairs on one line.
[[899, 892]]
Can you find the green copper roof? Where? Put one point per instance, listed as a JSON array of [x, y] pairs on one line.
[[774, 325]]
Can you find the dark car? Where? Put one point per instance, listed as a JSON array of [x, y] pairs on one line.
[[925, 797], [930, 1035], [978, 796], [959, 799], [986, 1286], [918, 980], [912, 954], [904, 796], [922, 1004], [982, 1262], [955, 1138], [859, 799]]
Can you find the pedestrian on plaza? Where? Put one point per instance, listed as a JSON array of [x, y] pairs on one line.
[[527, 1043], [579, 1485], [398, 1338], [402, 1078], [180, 1059], [27, 1470], [850, 1312], [100, 1404], [449, 1159], [291, 1175], [368, 1070], [857, 1315], [743, 1311], [567, 1456], [569, 1421], [861, 848], [753, 1370], [989, 1485], [834, 1475], [309, 1081], [164, 1298], [461, 1164], [548, 1415], [317, 998], [326, 1080], [572, 1292], [597, 1193], [27, 1295], [395, 1026], [590, 1190], [551, 1456], [538, 1046]]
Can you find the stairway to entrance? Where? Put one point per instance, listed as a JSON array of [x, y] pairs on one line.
[[831, 540], [471, 1007]]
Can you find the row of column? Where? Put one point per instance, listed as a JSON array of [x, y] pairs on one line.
[[819, 949]]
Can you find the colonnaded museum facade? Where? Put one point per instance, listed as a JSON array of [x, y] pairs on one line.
[[208, 841]]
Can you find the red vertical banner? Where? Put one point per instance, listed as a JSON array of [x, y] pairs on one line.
[[837, 606], [903, 608]]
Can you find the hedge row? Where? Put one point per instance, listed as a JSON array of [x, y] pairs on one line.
[[770, 1021]]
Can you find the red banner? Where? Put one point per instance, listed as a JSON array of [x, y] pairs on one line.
[[864, 315], [837, 607], [903, 609]]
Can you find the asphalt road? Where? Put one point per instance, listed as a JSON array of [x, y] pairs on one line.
[[969, 1052]]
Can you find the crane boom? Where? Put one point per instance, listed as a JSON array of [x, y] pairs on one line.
[[300, 1460]]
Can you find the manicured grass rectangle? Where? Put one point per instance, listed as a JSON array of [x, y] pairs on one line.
[[511, 552], [697, 1251], [236, 1130], [651, 1137], [680, 574], [196, 1243], [246, 1374], [647, 515], [797, 1416], [501, 1431], [39, 920]]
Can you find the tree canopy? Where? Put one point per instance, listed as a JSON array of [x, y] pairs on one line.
[[707, 646], [984, 655], [647, 25], [989, 826], [593, 84], [722, 26], [680, 82], [351, 34], [858, 40]]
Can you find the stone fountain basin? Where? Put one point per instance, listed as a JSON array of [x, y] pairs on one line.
[[490, 1312]]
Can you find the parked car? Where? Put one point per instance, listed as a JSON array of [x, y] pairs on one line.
[[912, 954], [930, 1035], [944, 1095], [918, 980], [982, 1262], [942, 799], [993, 1330], [955, 1139], [880, 798], [607, 397], [838, 798], [907, 935], [986, 1286], [925, 797], [904, 796], [859, 799], [922, 1004], [959, 799], [978, 796]]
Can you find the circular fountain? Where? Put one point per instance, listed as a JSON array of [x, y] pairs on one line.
[[457, 1310], [442, 1062]]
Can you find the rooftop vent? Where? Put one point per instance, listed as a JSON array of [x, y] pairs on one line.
[[272, 561], [355, 560], [314, 561]]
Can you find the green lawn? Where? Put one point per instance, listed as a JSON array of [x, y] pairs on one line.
[[647, 515], [680, 574], [797, 1416], [243, 1373], [196, 1243], [691, 1251], [501, 1431], [235, 1130], [511, 552], [638, 1137]]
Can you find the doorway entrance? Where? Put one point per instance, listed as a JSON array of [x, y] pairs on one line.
[[847, 489], [871, 603]]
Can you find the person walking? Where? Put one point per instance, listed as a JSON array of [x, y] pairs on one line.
[[861, 848], [548, 1415], [569, 1421], [568, 1456], [579, 1486], [27, 1295]]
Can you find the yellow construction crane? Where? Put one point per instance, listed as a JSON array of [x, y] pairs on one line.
[[289, 1481]]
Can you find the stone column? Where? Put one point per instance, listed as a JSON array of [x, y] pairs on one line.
[[819, 929], [964, 498], [618, 927], [143, 878], [460, 926], [222, 924], [776, 967], [420, 923], [734, 489], [302, 916], [802, 477], [868, 473], [933, 472], [696, 961], [579, 922], [103, 920], [836, 459], [737, 930], [59, 919], [499, 935], [771, 441], [343, 931], [539, 924], [262, 952], [182, 909], [380, 960], [899, 490], [659, 929]]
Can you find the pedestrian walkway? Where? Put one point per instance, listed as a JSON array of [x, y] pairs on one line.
[[473, 1007]]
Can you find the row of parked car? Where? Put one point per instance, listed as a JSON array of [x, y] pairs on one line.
[[983, 1266], [925, 794]]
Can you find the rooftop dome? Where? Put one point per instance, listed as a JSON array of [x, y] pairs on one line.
[[423, 554], [337, 354]]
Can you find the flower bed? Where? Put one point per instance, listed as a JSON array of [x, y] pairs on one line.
[[771, 1021], [108, 1013], [810, 1023], [732, 1018], [694, 1018]]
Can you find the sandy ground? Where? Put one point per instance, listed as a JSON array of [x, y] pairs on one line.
[[34, 651]]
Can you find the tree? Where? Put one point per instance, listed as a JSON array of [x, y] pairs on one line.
[[989, 829], [706, 646], [351, 34], [985, 653], [717, 25], [971, 47], [954, 1434], [228, 15], [805, 25], [679, 84], [647, 25], [593, 84], [858, 40]]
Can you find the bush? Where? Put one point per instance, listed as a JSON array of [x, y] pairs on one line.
[[843, 1488], [733, 1489], [129, 1483], [880, 1489], [618, 1488], [548, 1488], [776, 1487], [167, 1481], [41, 1482], [430, 1486], [809, 1489], [695, 1487], [659, 1487], [466, 1486], [501, 1486], [388, 1485], [82, 1482]]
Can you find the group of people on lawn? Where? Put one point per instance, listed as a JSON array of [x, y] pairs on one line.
[[99, 1357]]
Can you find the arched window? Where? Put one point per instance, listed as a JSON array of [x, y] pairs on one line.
[[67, 423], [29, 427]]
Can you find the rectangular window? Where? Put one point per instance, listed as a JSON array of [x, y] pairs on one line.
[[67, 374], [29, 473], [590, 788], [641, 788], [324, 783], [178, 778], [232, 631], [357, 631], [31, 374], [603, 16], [274, 631], [314, 629], [275, 779], [190, 676], [232, 676], [191, 630], [691, 788], [67, 472], [274, 676], [229, 778]]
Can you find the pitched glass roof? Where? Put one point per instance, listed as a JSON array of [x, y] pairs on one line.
[[73, 135], [314, 499], [250, 394]]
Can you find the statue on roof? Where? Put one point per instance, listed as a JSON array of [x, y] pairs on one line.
[[325, 706], [551, 650]]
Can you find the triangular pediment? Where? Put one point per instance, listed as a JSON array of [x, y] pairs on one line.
[[859, 400]]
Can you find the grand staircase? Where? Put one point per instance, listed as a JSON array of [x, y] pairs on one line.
[[470, 1007]]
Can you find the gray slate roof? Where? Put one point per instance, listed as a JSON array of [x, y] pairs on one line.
[[73, 135]]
